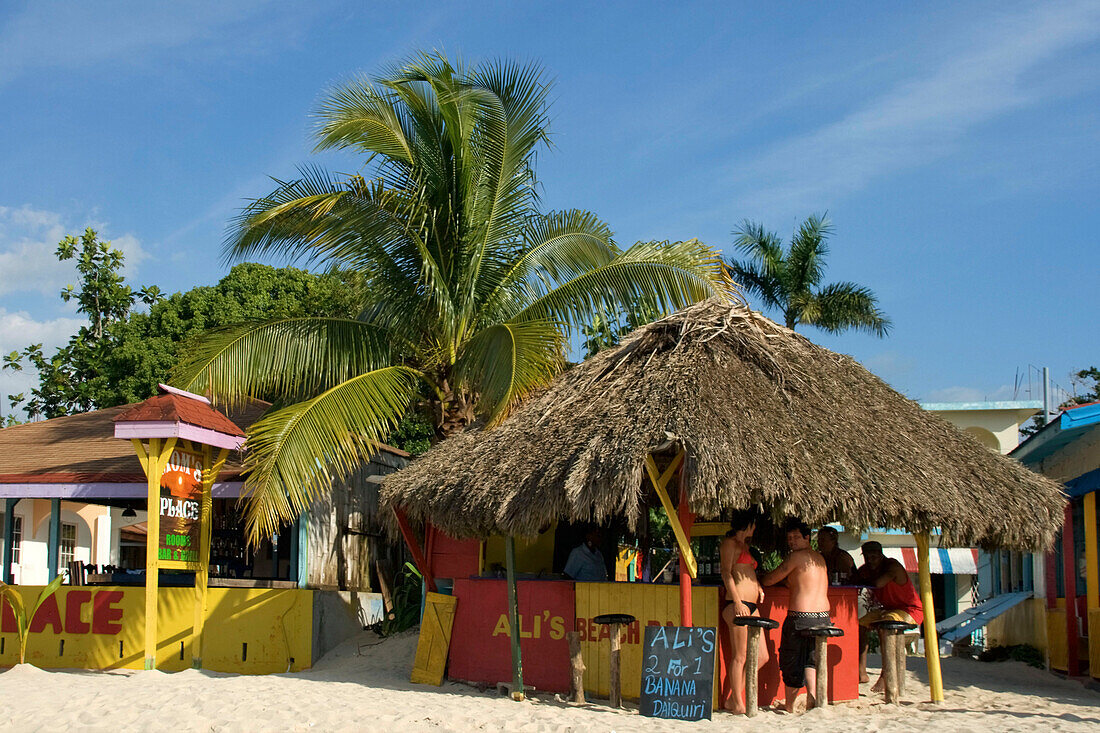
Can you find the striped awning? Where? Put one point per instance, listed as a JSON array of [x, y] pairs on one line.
[[942, 560]]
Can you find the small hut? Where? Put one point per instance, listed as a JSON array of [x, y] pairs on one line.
[[758, 415]]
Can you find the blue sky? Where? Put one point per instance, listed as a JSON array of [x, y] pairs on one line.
[[954, 145]]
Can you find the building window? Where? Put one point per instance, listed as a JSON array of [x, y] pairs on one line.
[[68, 545], [16, 536]]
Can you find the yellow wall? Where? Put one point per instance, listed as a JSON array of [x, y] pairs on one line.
[[277, 625], [1056, 638], [996, 429], [1094, 643], [533, 555], [646, 602], [1025, 623]]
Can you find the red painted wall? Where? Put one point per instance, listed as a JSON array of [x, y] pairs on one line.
[[480, 641]]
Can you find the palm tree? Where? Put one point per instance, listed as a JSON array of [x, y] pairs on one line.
[[471, 292], [788, 281]]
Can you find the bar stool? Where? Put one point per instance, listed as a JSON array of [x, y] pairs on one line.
[[821, 636], [893, 656], [752, 657], [616, 622]]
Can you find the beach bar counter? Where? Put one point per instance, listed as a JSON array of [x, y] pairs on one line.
[[548, 608]]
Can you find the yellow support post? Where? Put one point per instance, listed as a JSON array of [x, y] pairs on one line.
[[931, 639], [154, 461], [210, 470], [660, 484]]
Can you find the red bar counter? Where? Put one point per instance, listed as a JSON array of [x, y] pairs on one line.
[[843, 651]]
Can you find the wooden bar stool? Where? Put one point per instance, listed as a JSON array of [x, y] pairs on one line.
[[821, 636], [616, 621], [752, 658], [893, 656]]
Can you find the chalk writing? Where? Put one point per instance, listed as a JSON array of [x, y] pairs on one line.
[[678, 672]]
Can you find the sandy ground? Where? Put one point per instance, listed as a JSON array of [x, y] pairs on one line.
[[372, 690]]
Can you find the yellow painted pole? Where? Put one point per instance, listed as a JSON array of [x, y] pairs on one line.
[[1092, 572], [152, 542], [210, 470], [931, 639], [659, 485]]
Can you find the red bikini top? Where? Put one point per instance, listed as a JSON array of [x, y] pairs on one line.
[[746, 559]]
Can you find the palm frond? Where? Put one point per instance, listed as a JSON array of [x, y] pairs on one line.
[[845, 305], [806, 259], [503, 363], [673, 275], [289, 359], [297, 452], [752, 276]]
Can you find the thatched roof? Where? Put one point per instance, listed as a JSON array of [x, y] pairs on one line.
[[767, 418]]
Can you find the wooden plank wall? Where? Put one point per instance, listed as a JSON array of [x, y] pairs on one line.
[[651, 605]]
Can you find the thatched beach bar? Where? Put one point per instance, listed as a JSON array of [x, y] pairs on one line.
[[736, 412]]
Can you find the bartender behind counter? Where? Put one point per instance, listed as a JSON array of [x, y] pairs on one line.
[[586, 561]]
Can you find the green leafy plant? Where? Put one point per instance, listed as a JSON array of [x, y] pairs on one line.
[[406, 602], [22, 618]]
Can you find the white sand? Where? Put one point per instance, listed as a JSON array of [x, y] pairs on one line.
[[372, 691]]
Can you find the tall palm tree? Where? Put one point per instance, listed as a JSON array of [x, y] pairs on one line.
[[472, 293], [789, 281]]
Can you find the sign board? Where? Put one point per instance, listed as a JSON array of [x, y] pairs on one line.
[[678, 672], [180, 511]]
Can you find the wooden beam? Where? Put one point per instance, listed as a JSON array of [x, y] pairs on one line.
[[513, 618], [414, 548], [659, 485], [1092, 571], [1069, 575]]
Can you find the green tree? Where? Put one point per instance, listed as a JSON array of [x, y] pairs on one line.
[[472, 292], [790, 281]]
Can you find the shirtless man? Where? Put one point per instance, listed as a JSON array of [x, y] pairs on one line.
[[804, 571], [743, 593]]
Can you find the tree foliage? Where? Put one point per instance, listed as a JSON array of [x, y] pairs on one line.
[[789, 281], [472, 291]]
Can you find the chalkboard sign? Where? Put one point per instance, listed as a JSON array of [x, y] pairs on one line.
[[678, 672]]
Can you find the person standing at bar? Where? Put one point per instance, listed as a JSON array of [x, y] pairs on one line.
[[838, 562], [804, 572], [586, 561], [742, 595]]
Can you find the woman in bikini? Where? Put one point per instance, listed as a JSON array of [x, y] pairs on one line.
[[743, 594]]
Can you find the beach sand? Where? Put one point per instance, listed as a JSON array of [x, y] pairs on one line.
[[371, 690]]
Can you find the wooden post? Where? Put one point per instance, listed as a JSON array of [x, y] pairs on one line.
[[576, 665], [53, 548], [683, 509], [152, 543], [615, 679], [1092, 564], [414, 548], [1069, 575], [888, 648], [752, 662], [931, 638], [821, 690], [301, 570], [210, 470], [513, 618], [900, 658]]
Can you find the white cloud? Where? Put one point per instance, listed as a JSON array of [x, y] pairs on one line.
[[28, 242], [923, 118], [17, 331]]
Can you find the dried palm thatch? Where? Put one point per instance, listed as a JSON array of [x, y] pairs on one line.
[[767, 419]]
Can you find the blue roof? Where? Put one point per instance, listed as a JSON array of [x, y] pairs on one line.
[[1071, 425], [1086, 483]]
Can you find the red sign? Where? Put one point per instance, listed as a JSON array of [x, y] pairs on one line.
[[180, 510], [481, 636], [106, 617]]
